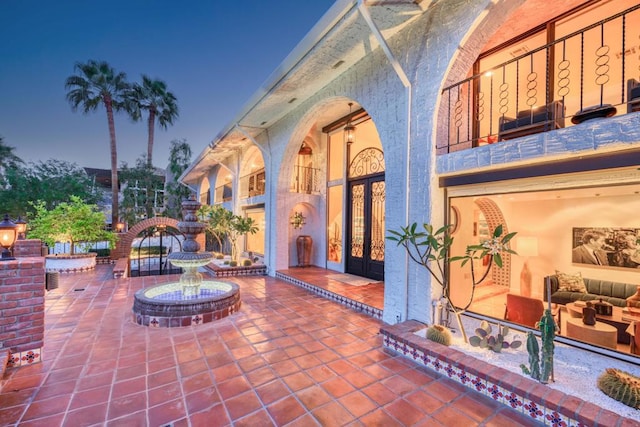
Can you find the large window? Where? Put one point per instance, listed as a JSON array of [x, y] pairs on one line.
[[547, 222]]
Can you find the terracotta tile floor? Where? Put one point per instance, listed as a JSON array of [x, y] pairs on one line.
[[371, 294], [288, 357]]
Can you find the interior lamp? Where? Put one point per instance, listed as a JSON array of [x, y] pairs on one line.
[[350, 129], [526, 247], [22, 228], [8, 235]]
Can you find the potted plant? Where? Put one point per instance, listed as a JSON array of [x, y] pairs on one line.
[[303, 241], [431, 250]]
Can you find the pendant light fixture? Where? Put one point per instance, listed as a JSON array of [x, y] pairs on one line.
[[349, 129]]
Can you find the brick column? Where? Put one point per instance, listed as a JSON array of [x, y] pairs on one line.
[[27, 248], [22, 309]]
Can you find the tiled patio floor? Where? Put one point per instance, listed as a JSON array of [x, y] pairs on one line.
[[289, 357]]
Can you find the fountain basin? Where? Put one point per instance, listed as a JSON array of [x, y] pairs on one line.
[[166, 306]]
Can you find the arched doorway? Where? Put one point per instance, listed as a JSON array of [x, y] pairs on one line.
[[366, 214], [151, 250]]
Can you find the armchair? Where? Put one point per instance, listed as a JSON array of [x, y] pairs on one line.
[[523, 310]]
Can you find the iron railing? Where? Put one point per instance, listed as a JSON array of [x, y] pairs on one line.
[[252, 184], [589, 73], [305, 180]]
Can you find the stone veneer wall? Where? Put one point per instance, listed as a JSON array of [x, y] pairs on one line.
[[22, 308]]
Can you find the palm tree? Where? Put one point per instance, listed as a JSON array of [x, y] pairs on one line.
[[96, 83], [153, 97], [8, 159]]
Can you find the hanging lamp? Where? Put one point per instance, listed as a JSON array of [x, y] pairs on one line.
[[349, 129]]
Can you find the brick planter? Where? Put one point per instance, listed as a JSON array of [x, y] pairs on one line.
[[544, 404]]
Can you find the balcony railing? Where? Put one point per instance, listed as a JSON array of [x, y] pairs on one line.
[[253, 184], [589, 73], [305, 180], [224, 193]]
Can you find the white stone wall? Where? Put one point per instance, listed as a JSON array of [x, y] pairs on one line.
[[437, 49]]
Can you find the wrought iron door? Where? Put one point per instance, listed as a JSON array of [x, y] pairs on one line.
[[150, 257], [365, 232]]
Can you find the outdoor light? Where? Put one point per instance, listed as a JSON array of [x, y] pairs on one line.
[[120, 227], [349, 129], [8, 234], [22, 228], [305, 150], [297, 220]]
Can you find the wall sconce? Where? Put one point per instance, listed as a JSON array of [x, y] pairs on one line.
[[120, 227], [297, 220], [349, 129], [22, 228], [305, 150], [8, 235]]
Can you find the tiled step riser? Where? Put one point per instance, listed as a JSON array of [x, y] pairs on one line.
[[354, 305]]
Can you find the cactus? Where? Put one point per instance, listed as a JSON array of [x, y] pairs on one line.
[[439, 334], [484, 339], [541, 370], [534, 357], [621, 386]]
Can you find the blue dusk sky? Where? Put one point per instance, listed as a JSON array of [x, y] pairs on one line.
[[213, 55]]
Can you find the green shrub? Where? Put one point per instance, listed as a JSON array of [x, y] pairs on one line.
[[246, 262], [233, 263]]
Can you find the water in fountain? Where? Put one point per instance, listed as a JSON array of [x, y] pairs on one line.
[[192, 300]]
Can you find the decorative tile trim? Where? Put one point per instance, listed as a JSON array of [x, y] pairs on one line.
[[24, 358], [190, 320], [376, 313], [487, 379]]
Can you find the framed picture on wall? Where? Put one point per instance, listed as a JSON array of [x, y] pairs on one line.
[[617, 247]]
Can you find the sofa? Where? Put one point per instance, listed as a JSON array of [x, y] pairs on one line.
[[614, 293], [527, 122]]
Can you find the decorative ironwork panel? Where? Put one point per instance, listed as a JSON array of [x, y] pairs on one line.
[[357, 221], [377, 220], [367, 162]]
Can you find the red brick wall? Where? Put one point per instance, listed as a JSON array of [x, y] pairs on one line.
[[27, 248], [22, 308]]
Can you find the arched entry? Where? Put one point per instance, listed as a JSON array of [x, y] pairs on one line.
[[151, 250], [494, 217], [366, 215]]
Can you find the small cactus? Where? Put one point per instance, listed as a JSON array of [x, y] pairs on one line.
[[621, 386], [484, 339], [439, 334]]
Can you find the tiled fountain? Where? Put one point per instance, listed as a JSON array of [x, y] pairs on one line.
[[191, 301]]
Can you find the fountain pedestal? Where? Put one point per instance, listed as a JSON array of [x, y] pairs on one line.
[[190, 301]]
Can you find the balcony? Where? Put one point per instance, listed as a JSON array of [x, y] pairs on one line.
[[223, 193], [305, 180], [589, 73], [252, 184]]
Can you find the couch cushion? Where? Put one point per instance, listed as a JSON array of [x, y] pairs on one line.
[[610, 289], [570, 282]]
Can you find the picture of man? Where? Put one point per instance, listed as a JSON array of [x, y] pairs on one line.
[[591, 252]]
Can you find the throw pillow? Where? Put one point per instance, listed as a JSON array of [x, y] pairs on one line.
[[571, 282]]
